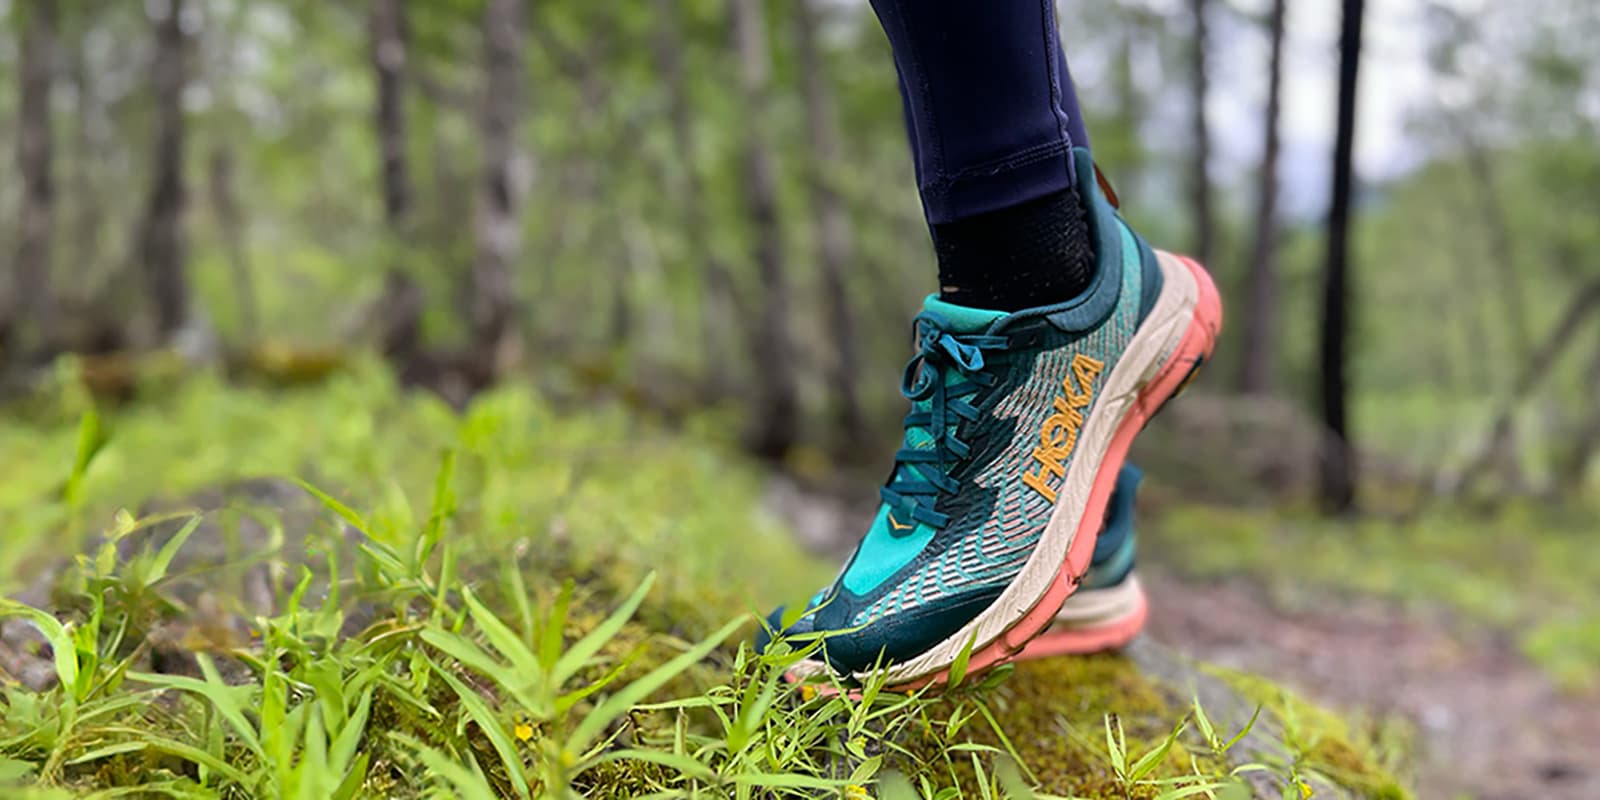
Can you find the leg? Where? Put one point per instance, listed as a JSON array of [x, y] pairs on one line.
[[1058, 334], [993, 118]]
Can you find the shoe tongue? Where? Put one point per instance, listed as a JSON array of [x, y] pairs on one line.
[[962, 319]]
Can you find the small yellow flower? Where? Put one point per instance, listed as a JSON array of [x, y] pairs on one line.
[[808, 692], [524, 731], [856, 792]]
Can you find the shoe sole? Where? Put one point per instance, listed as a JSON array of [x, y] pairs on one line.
[[1179, 334], [1108, 620]]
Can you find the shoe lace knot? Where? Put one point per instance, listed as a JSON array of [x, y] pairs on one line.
[[942, 381]]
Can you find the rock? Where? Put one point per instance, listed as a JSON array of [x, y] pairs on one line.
[[245, 556], [1229, 711]]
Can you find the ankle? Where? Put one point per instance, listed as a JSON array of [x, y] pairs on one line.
[[1032, 254]]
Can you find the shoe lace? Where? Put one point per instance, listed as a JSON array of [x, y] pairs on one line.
[[941, 381]]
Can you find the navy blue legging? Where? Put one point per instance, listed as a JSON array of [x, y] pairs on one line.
[[989, 103]]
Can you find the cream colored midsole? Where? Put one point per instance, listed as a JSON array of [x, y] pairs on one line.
[[1089, 607]]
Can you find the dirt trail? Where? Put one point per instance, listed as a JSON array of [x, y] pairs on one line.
[[1489, 724]]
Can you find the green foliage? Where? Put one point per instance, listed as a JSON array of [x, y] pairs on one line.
[[523, 643]]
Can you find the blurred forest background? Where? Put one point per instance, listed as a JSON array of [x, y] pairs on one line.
[[640, 243], [709, 202]]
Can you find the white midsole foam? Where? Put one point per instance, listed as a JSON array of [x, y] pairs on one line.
[[1088, 607]]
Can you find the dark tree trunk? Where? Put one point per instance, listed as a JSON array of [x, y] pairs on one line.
[[88, 217], [1338, 457], [832, 221], [490, 301], [390, 52], [399, 311], [775, 415], [1255, 374], [162, 248], [33, 305], [230, 219], [1200, 135]]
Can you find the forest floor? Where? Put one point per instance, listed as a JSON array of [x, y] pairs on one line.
[[1483, 720], [1428, 633], [498, 508]]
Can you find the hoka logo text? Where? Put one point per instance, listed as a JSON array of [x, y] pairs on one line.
[[1060, 432]]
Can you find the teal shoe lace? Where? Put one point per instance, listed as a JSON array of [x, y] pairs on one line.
[[941, 381]]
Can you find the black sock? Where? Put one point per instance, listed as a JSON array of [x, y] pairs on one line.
[[1033, 254]]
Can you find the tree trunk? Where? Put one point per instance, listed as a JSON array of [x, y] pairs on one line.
[[398, 313], [775, 424], [33, 301], [1571, 474], [1338, 459], [230, 220], [1502, 242], [832, 221], [1584, 304], [1255, 374], [88, 141], [490, 300], [390, 39], [1200, 135], [162, 249], [717, 315]]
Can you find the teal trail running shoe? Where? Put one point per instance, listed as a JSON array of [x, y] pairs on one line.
[[1019, 425]]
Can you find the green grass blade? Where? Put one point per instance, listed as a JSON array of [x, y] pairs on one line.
[[444, 504], [618, 704], [1203, 722], [336, 507], [62, 645], [753, 714], [1148, 763], [504, 640], [214, 691], [1243, 732], [785, 781], [169, 551], [468, 785], [353, 779], [478, 710], [89, 442], [106, 752], [958, 667], [196, 755], [465, 651], [349, 737], [685, 765], [1114, 747], [548, 635], [585, 648]]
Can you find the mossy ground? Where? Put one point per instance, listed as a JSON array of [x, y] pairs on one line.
[[483, 581]]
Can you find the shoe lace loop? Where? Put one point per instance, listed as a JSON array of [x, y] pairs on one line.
[[941, 380]]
